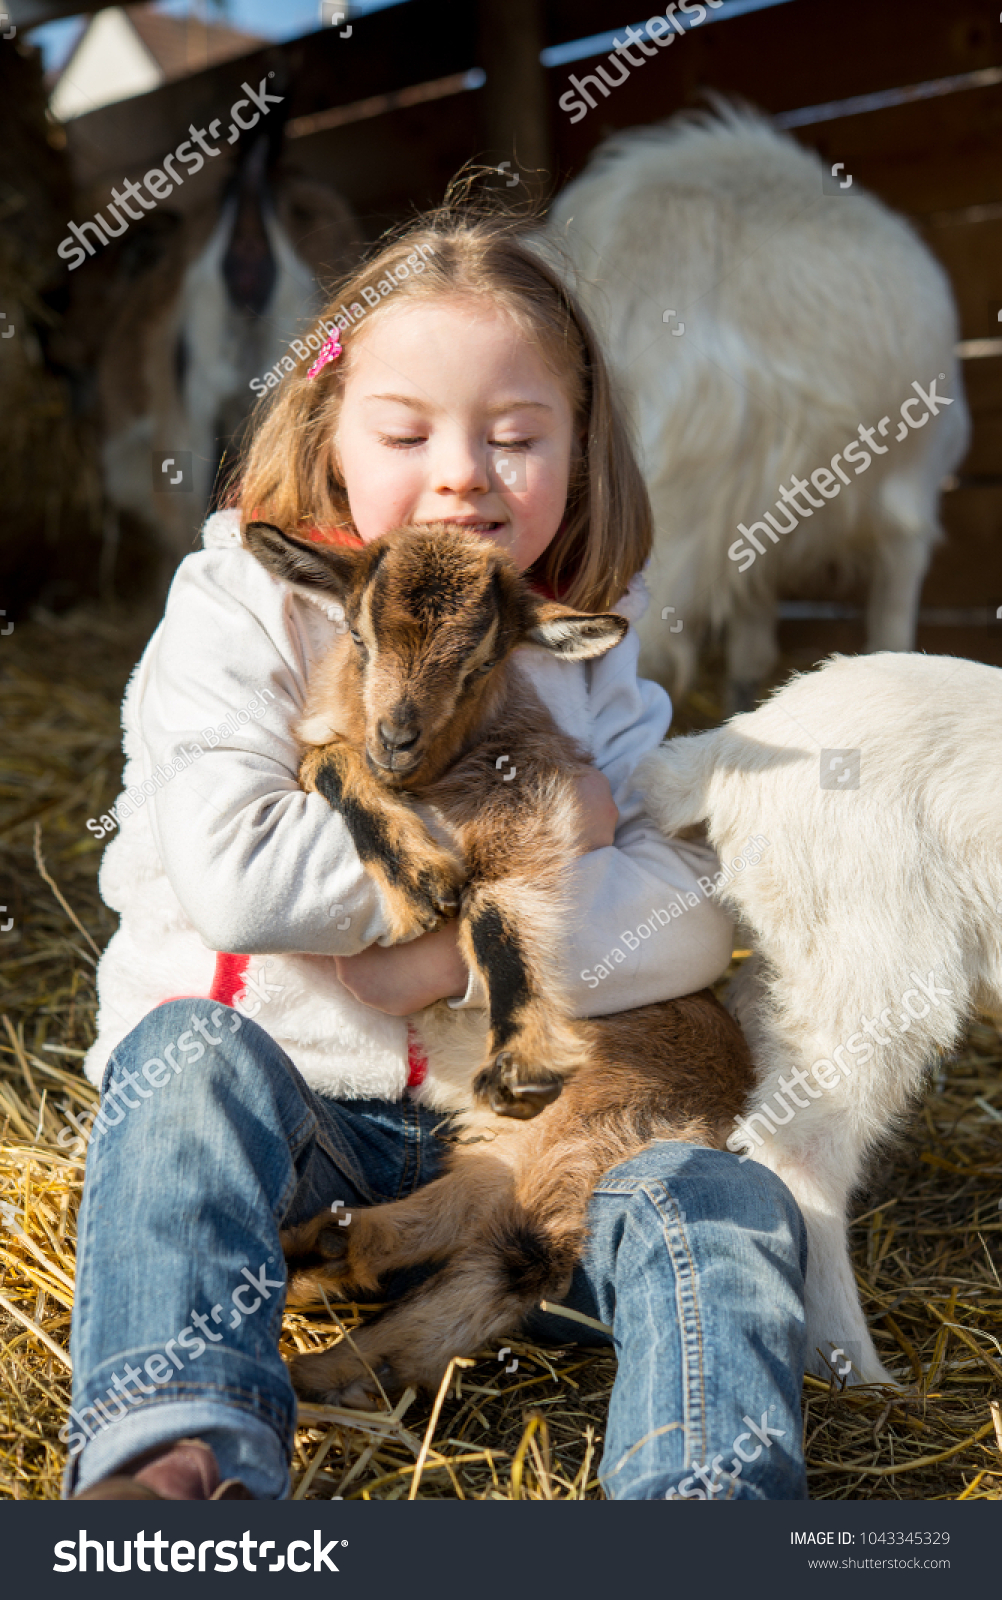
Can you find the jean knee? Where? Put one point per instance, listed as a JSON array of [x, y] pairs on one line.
[[780, 1202], [715, 1184], [190, 1052], [671, 1162]]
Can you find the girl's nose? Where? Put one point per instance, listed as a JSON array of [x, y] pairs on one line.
[[460, 467]]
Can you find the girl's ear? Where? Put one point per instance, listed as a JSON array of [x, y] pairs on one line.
[[574, 635], [331, 568]]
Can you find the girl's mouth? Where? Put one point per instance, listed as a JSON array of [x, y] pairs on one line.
[[479, 525]]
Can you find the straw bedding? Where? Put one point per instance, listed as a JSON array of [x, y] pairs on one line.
[[927, 1241]]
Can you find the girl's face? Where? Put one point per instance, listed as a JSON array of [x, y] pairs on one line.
[[450, 414]]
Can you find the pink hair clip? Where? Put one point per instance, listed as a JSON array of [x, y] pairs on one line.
[[329, 351]]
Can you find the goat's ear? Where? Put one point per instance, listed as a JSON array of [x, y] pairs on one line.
[[574, 635], [333, 569]]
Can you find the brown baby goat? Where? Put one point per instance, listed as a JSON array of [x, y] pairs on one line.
[[420, 702]]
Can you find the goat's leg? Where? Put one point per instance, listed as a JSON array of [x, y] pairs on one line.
[[520, 1248], [506, 934], [900, 561], [836, 1324], [751, 655], [504, 1255], [818, 1152], [357, 1249], [521, 1231], [486, 1290], [670, 633], [420, 879]]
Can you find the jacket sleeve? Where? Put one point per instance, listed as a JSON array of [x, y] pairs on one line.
[[642, 926], [645, 896], [257, 865]]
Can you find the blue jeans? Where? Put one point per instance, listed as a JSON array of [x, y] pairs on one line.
[[210, 1140]]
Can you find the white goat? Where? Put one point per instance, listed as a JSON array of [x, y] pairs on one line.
[[808, 316], [874, 913]]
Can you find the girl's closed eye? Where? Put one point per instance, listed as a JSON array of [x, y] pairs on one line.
[[402, 440]]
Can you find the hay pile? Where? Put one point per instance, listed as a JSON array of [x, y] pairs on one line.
[[926, 1243]]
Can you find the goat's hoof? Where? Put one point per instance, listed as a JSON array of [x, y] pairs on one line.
[[439, 885], [525, 1102], [333, 1241], [437, 899], [318, 1258], [508, 1093], [340, 1379], [308, 1286], [320, 1237]]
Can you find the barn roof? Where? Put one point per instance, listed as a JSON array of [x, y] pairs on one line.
[[129, 50], [180, 45]]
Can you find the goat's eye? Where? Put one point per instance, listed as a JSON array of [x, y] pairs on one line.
[[356, 638]]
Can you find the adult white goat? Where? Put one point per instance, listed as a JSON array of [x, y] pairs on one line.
[[873, 913], [809, 319]]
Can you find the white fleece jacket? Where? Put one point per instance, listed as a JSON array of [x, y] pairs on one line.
[[218, 849]]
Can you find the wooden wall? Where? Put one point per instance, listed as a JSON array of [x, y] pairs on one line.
[[937, 159]]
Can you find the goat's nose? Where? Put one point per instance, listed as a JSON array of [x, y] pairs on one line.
[[398, 736]]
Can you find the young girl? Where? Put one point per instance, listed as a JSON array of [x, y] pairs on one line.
[[469, 388]]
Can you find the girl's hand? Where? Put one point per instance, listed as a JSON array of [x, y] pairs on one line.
[[401, 978], [599, 814]]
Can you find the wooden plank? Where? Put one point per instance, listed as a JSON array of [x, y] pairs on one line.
[[965, 572], [966, 569], [384, 166], [795, 55], [410, 44], [394, 164], [810, 51], [920, 158], [923, 157], [388, 50], [516, 106]]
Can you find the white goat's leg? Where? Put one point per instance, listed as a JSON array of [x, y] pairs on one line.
[[901, 559], [835, 1320], [819, 1154], [751, 655], [672, 662], [671, 628]]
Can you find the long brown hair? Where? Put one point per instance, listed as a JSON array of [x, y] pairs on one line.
[[290, 474]]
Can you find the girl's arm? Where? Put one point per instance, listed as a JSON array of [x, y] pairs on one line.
[[643, 874], [258, 866]]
